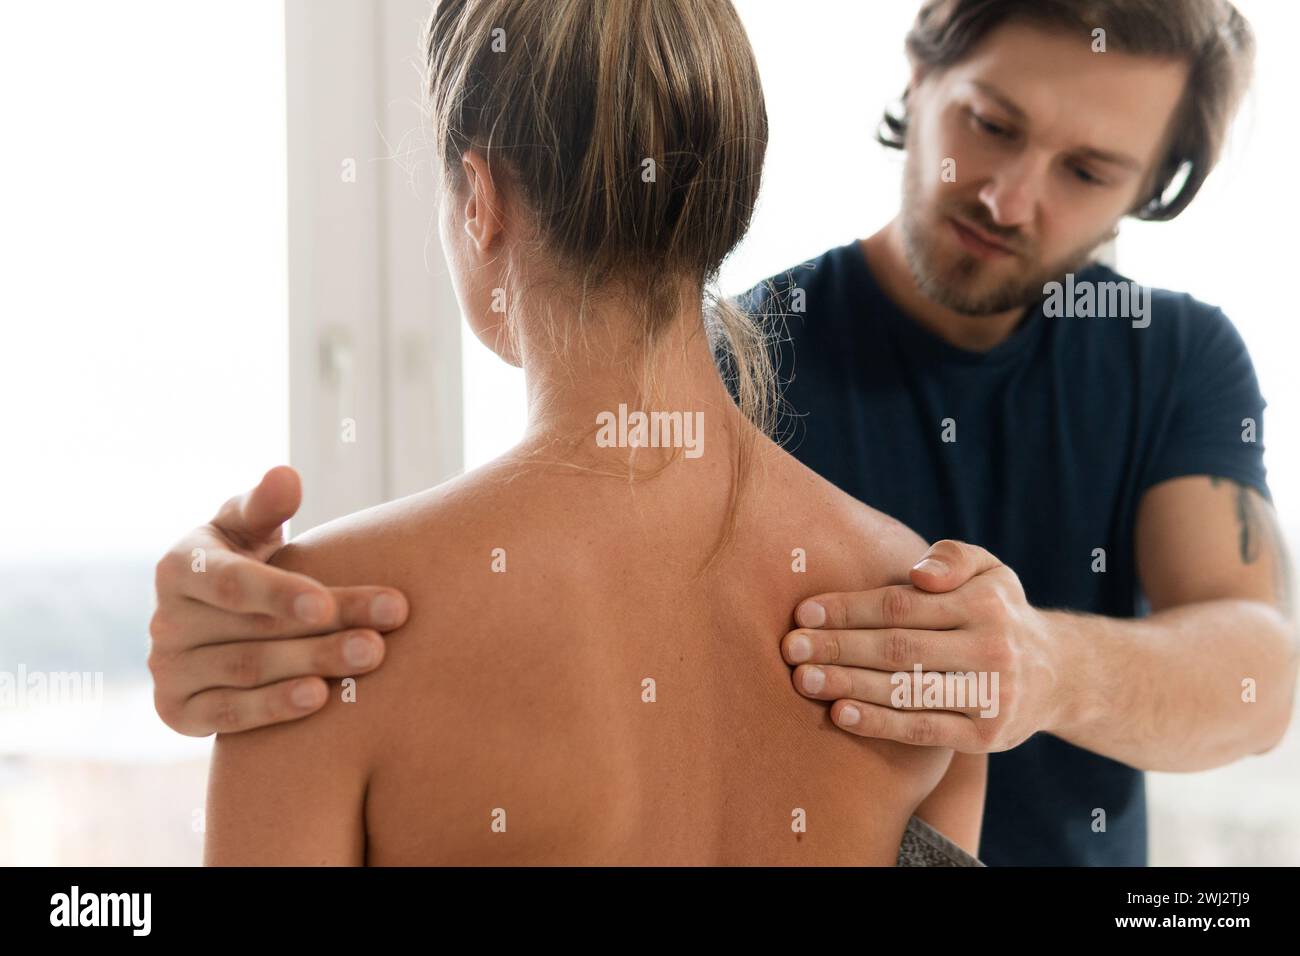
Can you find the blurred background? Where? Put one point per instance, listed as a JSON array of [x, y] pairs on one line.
[[216, 233]]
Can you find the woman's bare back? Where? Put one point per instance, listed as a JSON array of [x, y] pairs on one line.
[[571, 689]]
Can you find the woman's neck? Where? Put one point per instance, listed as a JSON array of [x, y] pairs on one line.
[[601, 388]]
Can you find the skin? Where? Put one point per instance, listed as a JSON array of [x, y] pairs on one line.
[[523, 690]]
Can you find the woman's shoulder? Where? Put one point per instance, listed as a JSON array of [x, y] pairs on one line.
[[836, 523], [298, 791], [482, 556], [437, 528]]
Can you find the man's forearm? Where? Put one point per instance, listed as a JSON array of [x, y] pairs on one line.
[[1188, 688]]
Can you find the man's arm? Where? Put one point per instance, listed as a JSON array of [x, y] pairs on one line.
[[238, 644], [1173, 691], [1210, 676]]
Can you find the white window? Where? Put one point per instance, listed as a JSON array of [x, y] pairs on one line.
[[143, 377]]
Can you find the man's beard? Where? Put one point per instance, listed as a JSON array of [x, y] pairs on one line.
[[953, 283]]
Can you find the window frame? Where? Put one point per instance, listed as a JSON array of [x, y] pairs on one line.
[[374, 327]]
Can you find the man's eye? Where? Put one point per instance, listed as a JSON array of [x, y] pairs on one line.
[[993, 129], [1086, 177]]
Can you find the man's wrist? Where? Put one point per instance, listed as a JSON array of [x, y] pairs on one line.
[[1072, 653]]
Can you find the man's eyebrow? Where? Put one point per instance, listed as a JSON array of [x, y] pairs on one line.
[[1114, 159], [1003, 100], [1100, 155]]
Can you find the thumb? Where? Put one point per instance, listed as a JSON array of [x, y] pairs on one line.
[[949, 564], [256, 517]]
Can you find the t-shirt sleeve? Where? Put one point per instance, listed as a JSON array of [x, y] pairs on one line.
[[1215, 423]]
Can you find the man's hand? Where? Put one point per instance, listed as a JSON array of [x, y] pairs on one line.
[[966, 613], [238, 644]]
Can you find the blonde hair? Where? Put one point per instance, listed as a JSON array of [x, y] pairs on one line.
[[572, 103]]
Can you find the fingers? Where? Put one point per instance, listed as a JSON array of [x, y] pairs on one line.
[[228, 711], [249, 664], [949, 564], [921, 728], [256, 600], [885, 649], [237, 584], [192, 624], [899, 605], [823, 682], [233, 637], [196, 691], [197, 649], [364, 605], [378, 609], [256, 517]]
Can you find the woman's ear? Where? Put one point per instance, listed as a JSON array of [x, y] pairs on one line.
[[483, 218]]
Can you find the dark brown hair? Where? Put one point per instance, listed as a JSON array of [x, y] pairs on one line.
[[1210, 35]]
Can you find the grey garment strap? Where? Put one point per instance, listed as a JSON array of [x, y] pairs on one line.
[[923, 845]]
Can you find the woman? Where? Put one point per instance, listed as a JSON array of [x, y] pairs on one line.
[[591, 671]]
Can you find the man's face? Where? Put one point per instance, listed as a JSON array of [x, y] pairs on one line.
[[1052, 144]]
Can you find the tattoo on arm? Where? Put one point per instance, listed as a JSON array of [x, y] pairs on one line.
[[1258, 532]]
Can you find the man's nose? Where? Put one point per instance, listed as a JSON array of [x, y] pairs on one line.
[[1012, 194]]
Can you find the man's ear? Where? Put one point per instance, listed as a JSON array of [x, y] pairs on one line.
[[483, 217]]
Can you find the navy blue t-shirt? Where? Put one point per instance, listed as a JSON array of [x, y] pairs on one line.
[[1060, 429]]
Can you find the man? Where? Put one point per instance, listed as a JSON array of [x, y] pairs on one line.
[[1088, 450]]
